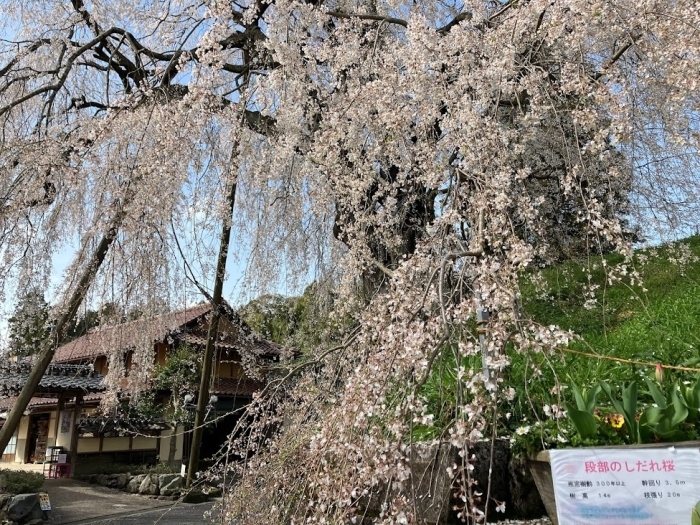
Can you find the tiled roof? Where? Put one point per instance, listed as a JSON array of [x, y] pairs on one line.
[[260, 347], [7, 402], [228, 386], [176, 325], [57, 379], [128, 335]]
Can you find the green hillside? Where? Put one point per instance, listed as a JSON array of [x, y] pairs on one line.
[[635, 324], [657, 321], [632, 325]]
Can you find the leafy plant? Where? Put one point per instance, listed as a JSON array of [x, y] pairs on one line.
[[695, 515], [582, 416], [628, 408], [20, 481], [690, 395], [180, 374], [665, 419]]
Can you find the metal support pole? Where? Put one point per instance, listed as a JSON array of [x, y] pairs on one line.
[[482, 321]]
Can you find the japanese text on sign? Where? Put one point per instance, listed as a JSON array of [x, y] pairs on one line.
[[625, 486]]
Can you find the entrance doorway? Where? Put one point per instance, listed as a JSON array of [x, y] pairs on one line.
[[37, 438]]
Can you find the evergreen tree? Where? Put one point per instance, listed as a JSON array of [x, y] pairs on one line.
[[29, 326]]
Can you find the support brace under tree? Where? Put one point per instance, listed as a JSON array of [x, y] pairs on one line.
[[203, 398]]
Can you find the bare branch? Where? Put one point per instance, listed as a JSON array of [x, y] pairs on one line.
[[378, 18]]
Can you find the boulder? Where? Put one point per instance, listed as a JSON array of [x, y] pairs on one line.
[[149, 485], [481, 456], [112, 481], [122, 480], [429, 482], [135, 483], [527, 502], [102, 480], [435, 495], [4, 502], [194, 496], [213, 492], [25, 508], [170, 484]]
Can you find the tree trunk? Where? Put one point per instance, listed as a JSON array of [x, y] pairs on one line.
[[58, 332]]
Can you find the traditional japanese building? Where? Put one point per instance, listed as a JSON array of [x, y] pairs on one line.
[[65, 410]]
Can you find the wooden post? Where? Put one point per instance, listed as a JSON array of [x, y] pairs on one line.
[[203, 397], [74, 434], [57, 425], [58, 332]]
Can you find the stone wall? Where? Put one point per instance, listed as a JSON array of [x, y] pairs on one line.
[[162, 485], [434, 493]]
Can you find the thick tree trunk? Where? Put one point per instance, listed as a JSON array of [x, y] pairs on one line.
[[58, 332]]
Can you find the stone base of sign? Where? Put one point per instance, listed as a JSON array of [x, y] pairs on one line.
[[541, 472]]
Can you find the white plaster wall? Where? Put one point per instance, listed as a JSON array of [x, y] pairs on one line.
[[115, 444], [165, 437], [52, 427], [88, 445], [22, 435], [144, 443]]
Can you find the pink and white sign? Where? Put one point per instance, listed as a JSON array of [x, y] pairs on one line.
[[658, 486]]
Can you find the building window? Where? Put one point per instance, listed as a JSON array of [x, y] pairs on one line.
[[11, 447]]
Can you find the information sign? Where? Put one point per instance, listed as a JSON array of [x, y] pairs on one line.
[[44, 501], [596, 486]]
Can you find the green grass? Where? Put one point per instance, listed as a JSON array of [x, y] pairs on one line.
[[659, 322], [655, 321]]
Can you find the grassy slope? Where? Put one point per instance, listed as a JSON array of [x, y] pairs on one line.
[[656, 322], [659, 324]]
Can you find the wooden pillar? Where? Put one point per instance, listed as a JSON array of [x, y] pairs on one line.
[[74, 434], [57, 425]]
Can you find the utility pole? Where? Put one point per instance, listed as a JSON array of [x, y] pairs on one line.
[[203, 397]]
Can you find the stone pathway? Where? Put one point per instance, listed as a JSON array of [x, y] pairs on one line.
[[74, 501]]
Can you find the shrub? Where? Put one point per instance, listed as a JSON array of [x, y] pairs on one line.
[[86, 468], [161, 468], [20, 482]]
